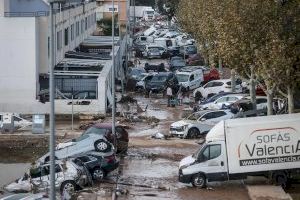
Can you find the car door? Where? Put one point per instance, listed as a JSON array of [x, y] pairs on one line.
[[204, 123], [219, 103], [213, 162]]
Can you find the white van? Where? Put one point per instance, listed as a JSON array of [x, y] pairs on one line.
[[190, 78], [264, 146]]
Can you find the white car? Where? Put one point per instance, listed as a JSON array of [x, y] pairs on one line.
[[82, 144], [222, 102], [68, 177], [198, 123], [190, 78], [215, 87]]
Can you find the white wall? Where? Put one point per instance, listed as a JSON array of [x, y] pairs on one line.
[[18, 63]]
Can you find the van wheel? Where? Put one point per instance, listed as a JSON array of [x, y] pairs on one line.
[[68, 186], [199, 180], [102, 146], [281, 179], [193, 133]]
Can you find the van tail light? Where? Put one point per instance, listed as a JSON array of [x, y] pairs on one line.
[[110, 159]]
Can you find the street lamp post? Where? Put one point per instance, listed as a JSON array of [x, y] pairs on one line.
[[51, 99]]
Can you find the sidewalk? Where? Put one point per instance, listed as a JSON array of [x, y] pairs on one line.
[[267, 192]]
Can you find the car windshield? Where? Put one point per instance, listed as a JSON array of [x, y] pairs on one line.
[[159, 79], [196, 154], [196, 115], [140, 77], [137, 72], [182, 77], [150, 12], [95, 130], [154, 49]]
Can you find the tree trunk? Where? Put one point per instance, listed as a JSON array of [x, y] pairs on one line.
[[252, 89], [221, 68], [290, 99], [269, 93], [233, 80]]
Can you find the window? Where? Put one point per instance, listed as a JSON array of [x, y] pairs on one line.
[[210, 152], [66, 36], [217, 84], [209, 115], [17, 119], [86, 23], [57, 168], [219, 114], [77, 28], [192, 77], [82, 26], [111, 9], [232, 98], [84, 159], [72, 32], [209, 84], [221, 100], [258, 101], [59, 40]]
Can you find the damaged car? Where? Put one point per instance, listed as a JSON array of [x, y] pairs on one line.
[[69, 178], [198, 123], [82, 144], [97, 164]]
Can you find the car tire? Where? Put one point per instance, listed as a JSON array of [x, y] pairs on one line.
[[193, 133], [98, 174], [102, 146], [69, 186], [199, 180], [280, 179]]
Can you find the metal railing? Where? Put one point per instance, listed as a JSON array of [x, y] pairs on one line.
[[26, 14]]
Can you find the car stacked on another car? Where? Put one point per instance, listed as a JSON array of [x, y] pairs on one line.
[[222, 102], [176, 63]]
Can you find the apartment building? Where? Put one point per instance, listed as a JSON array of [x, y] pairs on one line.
[[24, 52], [105, 8]]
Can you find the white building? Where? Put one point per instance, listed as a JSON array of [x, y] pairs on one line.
[[24, 52]]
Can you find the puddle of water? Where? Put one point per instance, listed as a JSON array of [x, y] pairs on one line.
[[11, 172], [159, 168]]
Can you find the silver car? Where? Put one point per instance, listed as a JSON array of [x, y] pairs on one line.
[[198, 123]]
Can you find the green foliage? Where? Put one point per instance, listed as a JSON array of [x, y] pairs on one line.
[[106, 25]]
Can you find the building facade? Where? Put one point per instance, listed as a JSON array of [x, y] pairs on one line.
[[24, 52], [105, 8]]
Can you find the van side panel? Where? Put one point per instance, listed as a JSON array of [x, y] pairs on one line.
[[261, 144]]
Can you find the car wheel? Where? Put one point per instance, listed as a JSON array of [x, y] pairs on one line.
[[193, 133], [68, 186], [281, 179], [199, 180], [102, 146], [98, 174]]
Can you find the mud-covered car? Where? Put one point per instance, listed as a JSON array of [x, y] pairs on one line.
[[69, 177], [105, 130], [97, 164], [82, 144], [161, 81]]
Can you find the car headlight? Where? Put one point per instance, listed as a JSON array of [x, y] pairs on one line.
[[185, 126]]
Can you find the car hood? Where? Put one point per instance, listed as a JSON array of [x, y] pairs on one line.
[[181, 123], [187, 161]]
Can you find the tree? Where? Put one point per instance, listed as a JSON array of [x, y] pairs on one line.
[[258, 39]]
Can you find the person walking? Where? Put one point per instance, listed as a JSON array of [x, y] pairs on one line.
[[169, 95]]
